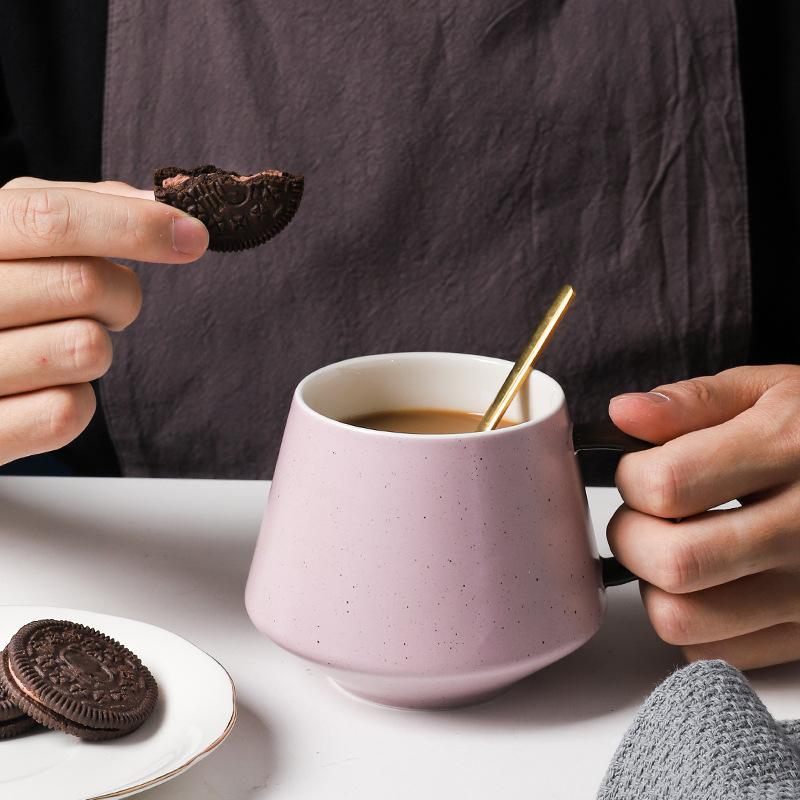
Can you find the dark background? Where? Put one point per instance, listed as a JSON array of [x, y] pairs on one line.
[[52, 62]]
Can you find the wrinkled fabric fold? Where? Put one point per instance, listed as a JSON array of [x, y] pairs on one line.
[[462, 161]]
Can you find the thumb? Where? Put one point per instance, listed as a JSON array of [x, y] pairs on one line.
[[669, 411]]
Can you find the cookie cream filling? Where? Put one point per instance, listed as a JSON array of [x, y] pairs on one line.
[[177, 180], [18, 683], [33, 699]]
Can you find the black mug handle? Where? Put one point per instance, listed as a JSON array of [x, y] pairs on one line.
[[607, 436]]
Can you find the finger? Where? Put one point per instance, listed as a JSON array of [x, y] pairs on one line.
[[778, 644], [48, 289], [754, 451], [54, 354], [711, 548], [44, 420], [674, 409], [103, 187], [733, 609], [75, 222]]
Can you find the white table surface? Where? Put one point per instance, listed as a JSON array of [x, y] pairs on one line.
[[176, 554]]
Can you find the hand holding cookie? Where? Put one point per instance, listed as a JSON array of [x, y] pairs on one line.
[[61, 295], [240, 211]]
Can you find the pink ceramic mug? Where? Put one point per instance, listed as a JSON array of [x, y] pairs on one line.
[[428, 570]]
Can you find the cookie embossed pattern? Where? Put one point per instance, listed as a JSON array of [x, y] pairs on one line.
[[72, 678], [240, 211]]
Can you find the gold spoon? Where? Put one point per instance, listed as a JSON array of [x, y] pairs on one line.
[[525, 363]]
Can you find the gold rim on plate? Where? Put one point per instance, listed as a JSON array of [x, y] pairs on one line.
[[183, 767]]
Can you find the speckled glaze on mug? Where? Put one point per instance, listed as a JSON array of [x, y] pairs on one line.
[[426, 571]]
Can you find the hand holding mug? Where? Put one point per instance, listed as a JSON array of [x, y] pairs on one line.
[[721, 584], [61, 296]]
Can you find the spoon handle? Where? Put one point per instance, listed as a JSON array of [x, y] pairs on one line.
[[525, 363]]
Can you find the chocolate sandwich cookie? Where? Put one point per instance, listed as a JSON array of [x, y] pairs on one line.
[[74, 679], [13, 720], [240, 211]]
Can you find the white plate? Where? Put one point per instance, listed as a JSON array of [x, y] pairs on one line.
[[195, 712]]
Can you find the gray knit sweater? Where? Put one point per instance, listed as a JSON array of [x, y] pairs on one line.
[[705, 735]]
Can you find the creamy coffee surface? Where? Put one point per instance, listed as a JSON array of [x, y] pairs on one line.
[[423, 420]]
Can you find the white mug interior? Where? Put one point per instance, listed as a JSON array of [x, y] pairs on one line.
[[395, 381]]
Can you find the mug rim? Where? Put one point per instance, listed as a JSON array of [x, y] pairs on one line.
[[433, 354]]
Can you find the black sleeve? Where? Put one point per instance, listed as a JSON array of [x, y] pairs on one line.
[[769, 45], [52, 60]]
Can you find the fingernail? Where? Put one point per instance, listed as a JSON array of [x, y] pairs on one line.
[[189, 236], [650, 397]]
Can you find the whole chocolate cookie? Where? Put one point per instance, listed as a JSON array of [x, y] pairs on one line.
[[75, 679], [13, 720], [240, 211]]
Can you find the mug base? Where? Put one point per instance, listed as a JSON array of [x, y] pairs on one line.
[[432, 691], [405, 702]]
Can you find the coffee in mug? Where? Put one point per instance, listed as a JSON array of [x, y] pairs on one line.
[[423, 420]]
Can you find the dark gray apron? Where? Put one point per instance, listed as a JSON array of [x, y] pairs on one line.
[[463, 159]]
